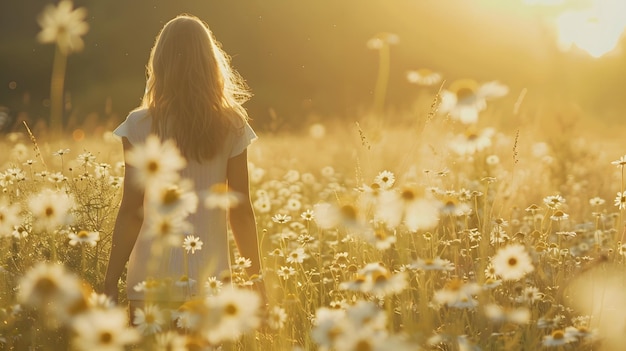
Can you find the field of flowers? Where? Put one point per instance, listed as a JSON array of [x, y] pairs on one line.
[[422, 234], [441, 228]]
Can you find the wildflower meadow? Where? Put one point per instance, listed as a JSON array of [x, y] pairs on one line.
[[440, 227]]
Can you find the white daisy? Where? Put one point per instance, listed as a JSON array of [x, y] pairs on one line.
[[149, 320], [50, 209], [155, 161], [64, 25], [277, 317], [423, 76], [172, 199], [100, 329], [84, 237], [192, 243], [220, 196], [297, 256], [9, 218], [472, 141], [213, 286], [233, 312], [466, 98], [385, 179], [512, 262], [51, 288], [285, 272]]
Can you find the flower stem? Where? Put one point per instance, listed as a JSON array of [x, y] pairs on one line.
[[56, 92], [383, 78]]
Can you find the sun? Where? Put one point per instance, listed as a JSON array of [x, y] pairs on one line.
[[596, 30]]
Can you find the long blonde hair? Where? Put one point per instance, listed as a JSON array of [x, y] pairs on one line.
[[193, 94]]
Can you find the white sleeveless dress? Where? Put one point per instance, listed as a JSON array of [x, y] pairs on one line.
[[209, 225]]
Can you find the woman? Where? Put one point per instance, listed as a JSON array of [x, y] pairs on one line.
[[194, 98]]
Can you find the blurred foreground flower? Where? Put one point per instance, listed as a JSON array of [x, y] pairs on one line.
[[155, 161], [220, 196], [53, 291], [225, 316], [377, 280], [362, 326], [103, 329], [50, 209], [64, 26], [172, 199], [472, 141], [149, 320], [84, 237], [599, 293], [423, 76], [466, 98], [9, 218]]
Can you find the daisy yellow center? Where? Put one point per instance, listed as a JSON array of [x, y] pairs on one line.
[[559, 214], [106, 337], [219, 188], [150, 318], [77, 307], [380, 278], [61, 30], [165, 228], [49, 211], [83, 234], [153, 166], [45, 286], [348, 212], [1, 216], [342, 260], [472, 136], [428, 262], [363, 345], [408, 195], [558, 335], [512, 261], [454, 285], [171, 196], [231, 309], [333, 333], [464, 93]]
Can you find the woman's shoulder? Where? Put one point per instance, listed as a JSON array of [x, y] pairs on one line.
[[242, 134], [138, 115], [136, 126]]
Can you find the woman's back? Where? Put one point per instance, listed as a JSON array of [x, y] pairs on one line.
[[209, 225]]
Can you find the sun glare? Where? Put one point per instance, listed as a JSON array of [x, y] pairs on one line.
[[596, 30]]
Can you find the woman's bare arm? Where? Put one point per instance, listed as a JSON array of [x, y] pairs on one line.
[[241, 217], [126, 230]]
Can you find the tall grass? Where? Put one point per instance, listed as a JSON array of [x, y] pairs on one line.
[[485, 202]]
